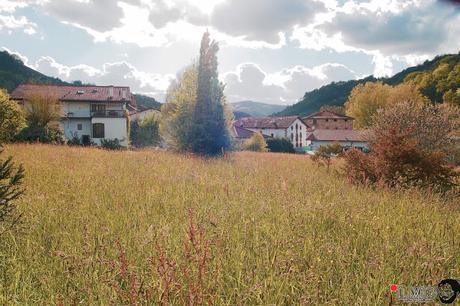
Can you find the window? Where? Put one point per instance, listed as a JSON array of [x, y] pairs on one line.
[[273, 135], [314, 121], [327, 120], [346, 120], [98, 108], [98, 130], [79, 126], [335, 120], [292, 137]]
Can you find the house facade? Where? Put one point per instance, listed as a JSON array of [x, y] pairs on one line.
[[329, 121], [292, 128], [346, 138], [91, 113]]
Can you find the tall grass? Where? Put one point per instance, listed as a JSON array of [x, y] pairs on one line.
[[157, 228]]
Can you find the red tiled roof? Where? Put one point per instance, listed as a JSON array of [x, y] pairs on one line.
[[77, 93], [327, 115], [266, 122], [337, 135], [240, 132]]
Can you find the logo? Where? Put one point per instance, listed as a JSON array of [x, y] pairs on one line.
[[445, 292]]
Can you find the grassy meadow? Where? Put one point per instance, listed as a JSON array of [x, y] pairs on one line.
[[152, 228]]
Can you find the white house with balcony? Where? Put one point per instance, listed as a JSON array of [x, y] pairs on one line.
[[91, 113], [292, 128]]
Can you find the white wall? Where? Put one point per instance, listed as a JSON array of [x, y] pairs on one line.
[[279, 133], [78, 109], [70, 127], [113, 128], [141, 115], [315, 144], [302, 131]]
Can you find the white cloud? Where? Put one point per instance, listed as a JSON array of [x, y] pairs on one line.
[[10, 23], [118, 73], [250, 82]]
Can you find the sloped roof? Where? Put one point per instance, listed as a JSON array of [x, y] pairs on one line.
[[266, 122], [76, 93], [336, 135], [327, 115], [240, 132]]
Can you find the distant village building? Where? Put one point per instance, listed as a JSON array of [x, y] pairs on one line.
[[140, 113], [306, 134], [91, 113], [329, 121], [347, 138], [292, 128]]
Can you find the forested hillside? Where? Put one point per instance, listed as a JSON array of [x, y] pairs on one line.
[[13, 72], [439, 79]]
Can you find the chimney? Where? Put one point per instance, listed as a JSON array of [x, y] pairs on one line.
[[110, 92]]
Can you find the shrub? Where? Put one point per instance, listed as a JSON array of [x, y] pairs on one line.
[[396, 160], [324, 154], [111, 144], [12, 119], [281, 145], [256, 143], [43, 113], [11, 179], [147, 132], [74, 141]]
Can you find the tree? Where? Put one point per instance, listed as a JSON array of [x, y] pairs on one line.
[[281, 145], [367, 99], [43, 113], [325, 153], [338, 109], [210, 128], [433, 127], [148, 133], [411, 145], [11, 179], [12, 119], [256, 143], [177, 113]]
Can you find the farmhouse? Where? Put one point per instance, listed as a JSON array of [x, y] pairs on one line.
[[347, 138], [91, 113], [292, 128], [140, 113], [329, 121]]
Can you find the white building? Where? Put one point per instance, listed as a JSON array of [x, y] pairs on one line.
[[292, 128], [91, 113], [140, 114]]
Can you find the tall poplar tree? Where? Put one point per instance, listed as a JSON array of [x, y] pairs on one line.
[[209, 130]]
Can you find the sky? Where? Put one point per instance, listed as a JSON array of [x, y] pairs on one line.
[[271, 51]]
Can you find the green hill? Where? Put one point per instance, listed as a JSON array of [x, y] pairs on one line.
[[13, 72], [436, 78]]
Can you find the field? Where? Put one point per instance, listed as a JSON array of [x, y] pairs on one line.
[[149, 227]]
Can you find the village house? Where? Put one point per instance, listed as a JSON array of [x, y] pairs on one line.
[[91, 113], [306, 134], [329, 121], [292, 128], [140, 113]]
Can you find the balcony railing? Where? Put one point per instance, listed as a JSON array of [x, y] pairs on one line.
[[109, 114]]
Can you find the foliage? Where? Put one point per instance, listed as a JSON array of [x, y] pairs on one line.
[[433, 127], [324, 154], [147, 131], [177, 112], [256, 143], [281, 145], [210, 129], [441, 83], [367, 99], [111, 144], [333, 108], [251, 216], [411, 146], [11, 118], [75, 140], [396, 160], [11, 180], [43, 113]]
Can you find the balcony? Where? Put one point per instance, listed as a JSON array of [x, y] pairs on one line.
[[108, 114]]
